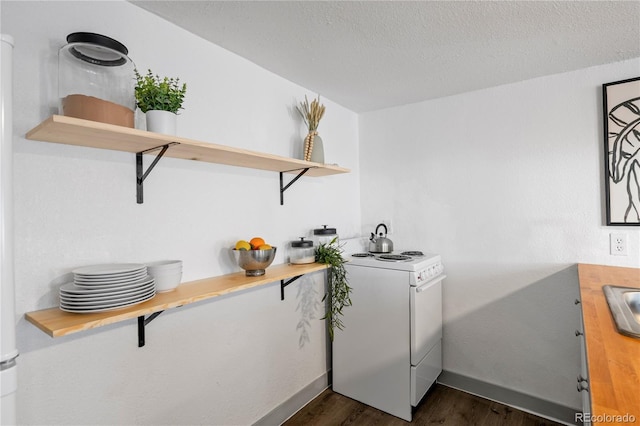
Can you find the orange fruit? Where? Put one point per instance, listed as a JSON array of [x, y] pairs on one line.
[[256, 242]]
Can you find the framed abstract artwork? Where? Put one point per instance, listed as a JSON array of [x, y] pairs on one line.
[[621, 101]]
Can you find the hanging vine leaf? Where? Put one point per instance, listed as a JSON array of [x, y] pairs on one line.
[[339, 292]]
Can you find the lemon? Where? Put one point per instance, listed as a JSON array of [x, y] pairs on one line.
[[264, 247], [243, 245]]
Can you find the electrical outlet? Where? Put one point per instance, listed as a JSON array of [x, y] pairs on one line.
[[618, 244]]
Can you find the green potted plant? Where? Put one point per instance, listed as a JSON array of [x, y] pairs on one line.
[[339, 292], [160, 99]]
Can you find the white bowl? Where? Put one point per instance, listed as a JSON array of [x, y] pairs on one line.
[[152, 271], [166, 281], [165, 265]]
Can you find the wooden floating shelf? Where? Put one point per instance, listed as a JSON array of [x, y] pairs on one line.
[[75, 131], [56, 322]]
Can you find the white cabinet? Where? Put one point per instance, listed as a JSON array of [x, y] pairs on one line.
[[583, 375]]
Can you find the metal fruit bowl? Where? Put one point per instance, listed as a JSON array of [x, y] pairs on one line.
[[254, 262]]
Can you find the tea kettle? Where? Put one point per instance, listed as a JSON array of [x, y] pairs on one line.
[[379, 243]]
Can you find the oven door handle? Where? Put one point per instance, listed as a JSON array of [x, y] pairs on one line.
[[424, 286]]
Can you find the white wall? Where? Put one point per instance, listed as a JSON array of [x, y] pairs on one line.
[[507, 185], [229, 360]]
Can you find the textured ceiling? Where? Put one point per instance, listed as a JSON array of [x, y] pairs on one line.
[[368, 55]]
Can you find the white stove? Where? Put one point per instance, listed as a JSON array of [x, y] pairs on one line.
[[389, 352], [425, 265]]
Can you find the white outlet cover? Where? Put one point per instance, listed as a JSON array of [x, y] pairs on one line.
[[618, 244]]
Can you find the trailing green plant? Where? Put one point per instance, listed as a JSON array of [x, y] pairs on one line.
[[339, 292], [154, 93]]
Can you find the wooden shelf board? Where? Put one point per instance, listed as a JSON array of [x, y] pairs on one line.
[[75, 131], [56, 322]]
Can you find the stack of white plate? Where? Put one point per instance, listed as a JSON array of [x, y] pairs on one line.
[[100, 288]]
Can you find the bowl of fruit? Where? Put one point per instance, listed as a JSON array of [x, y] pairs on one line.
[[254, 256]]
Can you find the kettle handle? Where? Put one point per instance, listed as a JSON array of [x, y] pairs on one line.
[[385, 229]]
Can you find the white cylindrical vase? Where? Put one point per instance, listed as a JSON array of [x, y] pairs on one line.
[[317, 153], [164, 122]]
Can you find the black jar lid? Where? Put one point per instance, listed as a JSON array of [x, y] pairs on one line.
[[324, 231], [302, 243], [93, 49]]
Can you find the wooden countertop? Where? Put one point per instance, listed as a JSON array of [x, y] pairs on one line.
[[613, 359]]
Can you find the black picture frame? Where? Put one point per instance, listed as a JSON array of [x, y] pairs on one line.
[[621, 107]]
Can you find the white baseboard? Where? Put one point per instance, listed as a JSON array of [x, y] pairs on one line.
[[521, 401], [288, 408], [530, 404]]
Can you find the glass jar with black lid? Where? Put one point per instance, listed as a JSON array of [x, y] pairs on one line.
[[96, 79], [302, 252], [325, 235]]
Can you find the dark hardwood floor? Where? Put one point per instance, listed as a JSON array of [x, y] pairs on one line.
[[441, 406]]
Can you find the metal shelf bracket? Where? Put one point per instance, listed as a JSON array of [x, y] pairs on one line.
[[284, 188], [142, 323], [140, 175], [284, 283]]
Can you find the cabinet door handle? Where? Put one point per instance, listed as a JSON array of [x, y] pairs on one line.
[[577, 302], [582, 387], [579, 333], [582, 379]]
